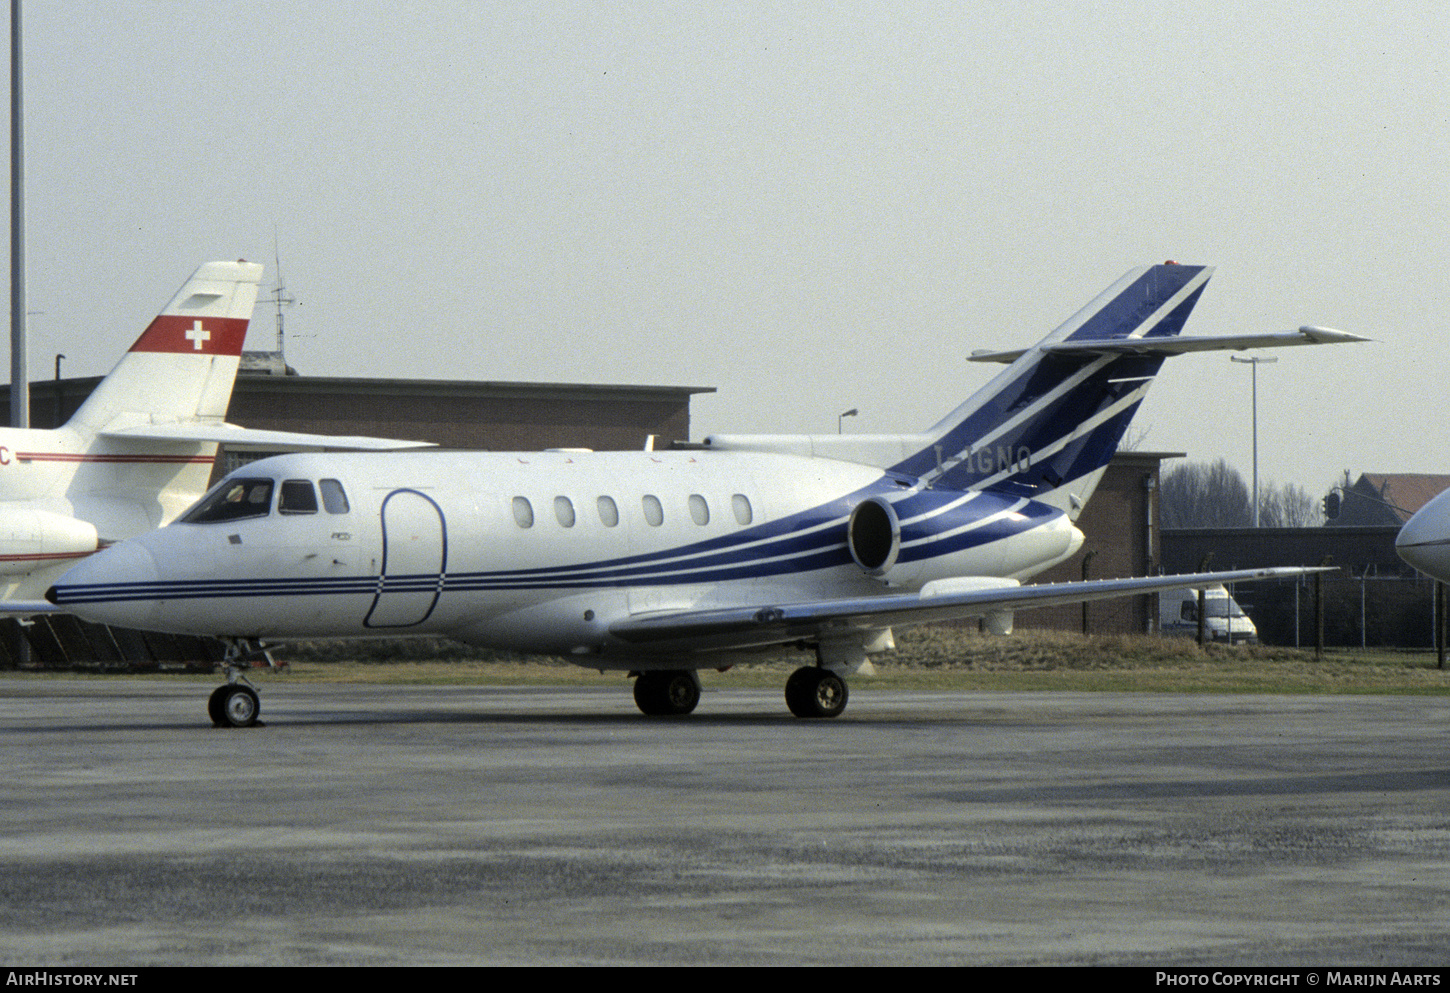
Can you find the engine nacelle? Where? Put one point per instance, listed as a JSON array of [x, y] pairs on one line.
[[873, 534], [30, 539]]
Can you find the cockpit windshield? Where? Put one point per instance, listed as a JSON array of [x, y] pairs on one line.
[[239, 498], [233, 500]]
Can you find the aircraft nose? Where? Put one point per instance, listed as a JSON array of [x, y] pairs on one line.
[[114, 586], [1424, 541]]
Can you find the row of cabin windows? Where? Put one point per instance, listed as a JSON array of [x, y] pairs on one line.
[[654, 511], [237, 499]]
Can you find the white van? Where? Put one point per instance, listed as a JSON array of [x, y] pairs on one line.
[[1224, 620]]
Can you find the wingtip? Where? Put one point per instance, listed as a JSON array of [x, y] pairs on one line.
[[1329, 336]]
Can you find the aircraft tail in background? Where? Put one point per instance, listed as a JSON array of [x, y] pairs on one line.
[[183, 365], [142, 446]]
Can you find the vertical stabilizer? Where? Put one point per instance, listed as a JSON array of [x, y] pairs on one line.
[[183, 365], [180, 371], [1049, 423]]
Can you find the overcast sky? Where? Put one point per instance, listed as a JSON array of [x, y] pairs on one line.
[[811, 207]]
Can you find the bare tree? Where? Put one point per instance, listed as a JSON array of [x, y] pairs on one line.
[[1205, 495], [1288, 506], [1214, 495]]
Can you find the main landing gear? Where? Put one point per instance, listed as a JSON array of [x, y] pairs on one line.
[[813, 691], [668, 692]]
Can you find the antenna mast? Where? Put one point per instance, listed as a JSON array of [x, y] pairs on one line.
[[280, 299]]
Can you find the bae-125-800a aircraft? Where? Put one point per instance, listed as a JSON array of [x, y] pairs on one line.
[[663, 563], [141, 447]]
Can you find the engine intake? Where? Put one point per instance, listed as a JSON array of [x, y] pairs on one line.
[[873, 534]]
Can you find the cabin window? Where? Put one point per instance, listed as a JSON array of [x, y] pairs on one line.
[[740, 503], [523, 512], [654, 512], [699, 509], [564, 511], [334, 497], [608, 512], [297, 497], [233, 500]]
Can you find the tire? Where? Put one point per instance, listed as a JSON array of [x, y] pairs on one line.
[[815, 692], [214, 706], [672, 693], [238, 706]]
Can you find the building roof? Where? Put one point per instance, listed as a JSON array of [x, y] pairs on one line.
[[1403, 493], [455, 387]]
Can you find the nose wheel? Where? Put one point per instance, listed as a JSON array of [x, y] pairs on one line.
[[815, 692], [234, 705]]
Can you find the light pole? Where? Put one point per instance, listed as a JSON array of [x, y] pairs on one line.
[[1255, 363], [839, 417]]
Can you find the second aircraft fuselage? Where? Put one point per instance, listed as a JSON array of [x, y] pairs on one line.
[[541, 551]]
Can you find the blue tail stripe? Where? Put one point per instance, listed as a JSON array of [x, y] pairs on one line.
[[975, 450], [1129, 309]]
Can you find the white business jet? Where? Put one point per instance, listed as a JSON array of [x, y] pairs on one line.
[[664, 563], [140, 449], [1424, 541]]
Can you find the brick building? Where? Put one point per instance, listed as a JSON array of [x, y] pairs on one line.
[[1122, 529], [452, 414]]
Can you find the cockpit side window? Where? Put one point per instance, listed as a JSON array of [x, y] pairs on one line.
[[233, 500], [297, 497], [334, 497]]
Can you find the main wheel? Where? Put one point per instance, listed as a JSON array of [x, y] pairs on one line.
[[234, 706], [672, 693], [815, 692]]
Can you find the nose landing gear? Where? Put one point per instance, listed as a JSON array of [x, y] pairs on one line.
[[236, 704]]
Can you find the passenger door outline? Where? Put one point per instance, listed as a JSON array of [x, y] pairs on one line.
[[415, 560]]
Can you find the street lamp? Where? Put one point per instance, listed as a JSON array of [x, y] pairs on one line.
[[1255, 363], [849, 413]]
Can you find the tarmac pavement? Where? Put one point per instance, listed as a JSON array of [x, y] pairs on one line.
[[381, 825]]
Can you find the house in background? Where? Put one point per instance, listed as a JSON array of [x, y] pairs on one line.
[[1373, 598], [1383, 499]]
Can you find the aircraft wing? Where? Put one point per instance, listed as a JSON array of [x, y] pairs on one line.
[[946, 600], [1179, 344], [232, 435], [28, 607]]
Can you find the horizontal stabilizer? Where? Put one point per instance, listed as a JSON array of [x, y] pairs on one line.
[[1180, 344], [769, 624], [231, 435]]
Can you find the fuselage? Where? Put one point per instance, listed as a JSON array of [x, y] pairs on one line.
[[541, 551]]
